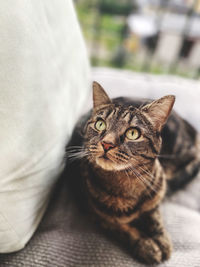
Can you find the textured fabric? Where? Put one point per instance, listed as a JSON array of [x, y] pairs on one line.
[[67, 238], [44, 67]]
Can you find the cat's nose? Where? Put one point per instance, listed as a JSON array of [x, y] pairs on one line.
[[107, 146]]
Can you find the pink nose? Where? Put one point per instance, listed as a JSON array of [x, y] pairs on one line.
[[107, 146]]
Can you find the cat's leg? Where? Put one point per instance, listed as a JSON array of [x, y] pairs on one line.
[[151, 225], [144, 248]]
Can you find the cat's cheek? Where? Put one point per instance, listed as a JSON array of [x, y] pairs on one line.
[[91, 134]]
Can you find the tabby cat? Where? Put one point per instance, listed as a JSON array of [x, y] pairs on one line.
[[128, 155]]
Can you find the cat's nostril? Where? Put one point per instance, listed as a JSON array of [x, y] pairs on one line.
[[107, 146]]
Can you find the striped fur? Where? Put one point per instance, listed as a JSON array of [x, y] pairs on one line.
[[125, 184]]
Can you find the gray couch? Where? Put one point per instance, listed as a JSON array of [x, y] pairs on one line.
[[66, 237]]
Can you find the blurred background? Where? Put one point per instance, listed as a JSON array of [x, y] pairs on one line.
[[156, 36]]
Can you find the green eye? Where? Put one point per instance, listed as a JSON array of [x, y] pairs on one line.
[[133, 134], [100, 125]]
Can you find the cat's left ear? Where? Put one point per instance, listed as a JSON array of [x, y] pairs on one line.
[[99, 95], [159, 110]]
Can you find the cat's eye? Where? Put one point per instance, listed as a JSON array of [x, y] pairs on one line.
[[133, 134], [100, 125]]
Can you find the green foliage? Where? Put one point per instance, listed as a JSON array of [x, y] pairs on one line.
[[112, 24], [122, 7]]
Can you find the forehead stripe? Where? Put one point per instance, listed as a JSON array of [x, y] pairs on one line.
[[108, 113], [115, 111], [120, 111], [131, 117], [126, 113]]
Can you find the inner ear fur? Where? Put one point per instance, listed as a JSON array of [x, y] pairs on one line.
[[159, 110], [99, 96]]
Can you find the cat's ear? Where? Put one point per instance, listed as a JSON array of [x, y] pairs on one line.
[[99, 96], [159, 110]]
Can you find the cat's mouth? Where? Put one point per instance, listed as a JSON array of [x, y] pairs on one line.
[[107, 163], [105, 157], [108, 160]]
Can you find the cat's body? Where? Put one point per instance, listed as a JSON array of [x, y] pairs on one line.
[[127, 159]]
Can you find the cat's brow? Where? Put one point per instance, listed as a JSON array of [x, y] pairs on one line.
[[125, 114], [109, 113], [101, 112], [143, 120]]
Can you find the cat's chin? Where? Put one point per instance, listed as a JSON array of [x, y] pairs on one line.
[[108, 165]]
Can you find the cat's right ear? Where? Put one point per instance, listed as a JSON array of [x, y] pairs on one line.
[[99, 96]]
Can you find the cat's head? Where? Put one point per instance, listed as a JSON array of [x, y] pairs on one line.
[[120, 137]]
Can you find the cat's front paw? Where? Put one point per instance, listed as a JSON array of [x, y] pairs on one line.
[[154, 250], [165, 244], [148, 251]]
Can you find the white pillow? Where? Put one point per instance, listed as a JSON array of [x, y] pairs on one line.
[[44, 81]]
